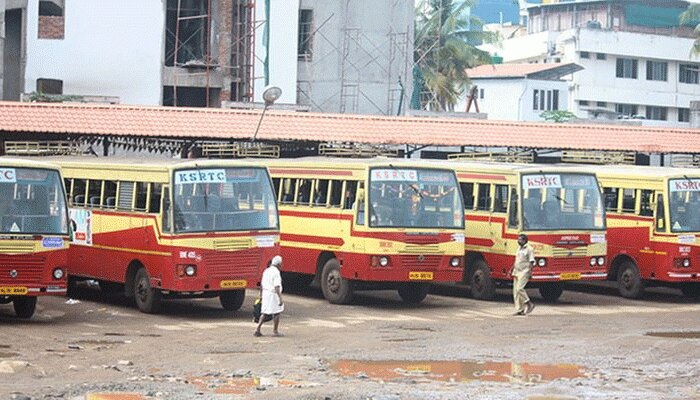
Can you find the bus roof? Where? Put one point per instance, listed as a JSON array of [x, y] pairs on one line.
[[357, 163], [150, 163], [505, 168], [26, 163], [641, 172]]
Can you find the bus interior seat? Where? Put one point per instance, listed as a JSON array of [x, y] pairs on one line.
[[110, 201], [79, 199], [94, 201]]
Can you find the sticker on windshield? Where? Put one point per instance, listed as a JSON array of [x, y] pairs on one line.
[[200, 176], [685, 185], [389, 175], [541, 181], [8, 175]]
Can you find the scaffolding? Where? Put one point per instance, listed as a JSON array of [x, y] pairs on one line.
[[211, 48]]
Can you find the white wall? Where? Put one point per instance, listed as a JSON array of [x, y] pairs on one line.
[[121, 60], [284, 28]]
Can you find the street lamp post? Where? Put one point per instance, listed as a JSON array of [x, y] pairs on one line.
[[270, 95]]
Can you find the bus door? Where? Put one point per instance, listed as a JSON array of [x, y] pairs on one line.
[[499, 218], [654, 260]]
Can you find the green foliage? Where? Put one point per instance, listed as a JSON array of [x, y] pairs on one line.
[[691, 16], [444, 50], [40, 97], [557, 116]]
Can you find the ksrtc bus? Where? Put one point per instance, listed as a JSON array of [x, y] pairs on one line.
[[34, 236], [358, 224], [560, 208], [653, 227], [170, 228]]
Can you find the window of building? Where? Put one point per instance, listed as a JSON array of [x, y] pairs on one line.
[[626, 68], [689, 73], [545, 100], [684, 115], [585, 54], [657, 71], [49, 86], [186, 21], [656, 113], [583, 102], [600, 56], [51, 20], [628, 110], [601, 104], [305, 34], [481, 93]]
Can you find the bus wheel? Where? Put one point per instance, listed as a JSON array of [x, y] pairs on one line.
[[551, 291], [335, 288], [690, 289], [413, 293], [629, 281], [481, 284], [24, 306], [232, 300], [148, 299]]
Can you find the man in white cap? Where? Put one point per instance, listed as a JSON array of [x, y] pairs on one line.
[[271, 288]]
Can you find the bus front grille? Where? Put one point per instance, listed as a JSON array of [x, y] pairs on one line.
[[413, 249], [232, 244], [21, 269], [568, 263], [17, 248], [231, 265], [420, 262], [559, 252]]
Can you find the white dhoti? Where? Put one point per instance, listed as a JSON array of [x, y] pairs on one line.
[[270, 303]]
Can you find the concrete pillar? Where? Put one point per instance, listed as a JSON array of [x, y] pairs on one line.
[[695, 114]]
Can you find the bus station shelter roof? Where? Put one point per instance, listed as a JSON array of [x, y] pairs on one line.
[[224, 124]]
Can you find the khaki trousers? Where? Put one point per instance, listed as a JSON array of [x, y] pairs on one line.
[[519, 294]]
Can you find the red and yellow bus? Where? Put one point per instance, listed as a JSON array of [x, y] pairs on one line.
[[170, 228], [34, 236], [653, 227], [358, 224], [560, 208]]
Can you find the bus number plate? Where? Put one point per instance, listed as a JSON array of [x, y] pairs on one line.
[[420, 276], [570, 276], [13, 290], [237, 284]]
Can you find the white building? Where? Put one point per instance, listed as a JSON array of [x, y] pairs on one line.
[[521, 92], [636, 58]]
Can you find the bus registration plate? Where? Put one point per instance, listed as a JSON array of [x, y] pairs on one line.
[[570, 276], [13, 290], [420, 276], [237, 284]]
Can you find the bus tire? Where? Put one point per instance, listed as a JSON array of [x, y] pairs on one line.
[[691, 289], [148, 299], [414, 293], [335, 288], [629, 281], [232, 300], [24, 306], [481, 284], [551, 291]]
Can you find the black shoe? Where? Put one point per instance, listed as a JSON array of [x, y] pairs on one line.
[[519, 313], [530, 306]]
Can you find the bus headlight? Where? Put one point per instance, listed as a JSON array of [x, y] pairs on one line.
[[601, 261], [190, 270], [542, 262], [686, 262], [455, 262], [58, 273], [186, 270], [593, 261], [383, 261]]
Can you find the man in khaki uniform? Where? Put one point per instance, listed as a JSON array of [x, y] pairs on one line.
[[521, 272]]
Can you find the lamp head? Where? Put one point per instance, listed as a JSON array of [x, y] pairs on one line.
[[271, 94]]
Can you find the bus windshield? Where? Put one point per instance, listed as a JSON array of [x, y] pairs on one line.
[[414, 197], [553, 201], [32, 201], [684, 201], [223, 199]]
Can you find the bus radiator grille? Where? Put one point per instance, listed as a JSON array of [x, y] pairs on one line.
[[226, 264], [569, 263], [17, 248], [420, 262], [559, 252], [27, 269]]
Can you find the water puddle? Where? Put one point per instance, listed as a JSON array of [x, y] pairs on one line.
[[115, 396], [242, 385], [457, 371], [675, 335]]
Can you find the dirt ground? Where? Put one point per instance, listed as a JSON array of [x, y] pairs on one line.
[[590, 345]]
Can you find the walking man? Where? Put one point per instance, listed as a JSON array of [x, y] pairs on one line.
[[271, 287], [521, 272]]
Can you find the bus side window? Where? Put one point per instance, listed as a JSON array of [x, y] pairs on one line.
[[276, 186], [141, 196], [126, 195], [610, 196], [94, 193], [304, 193], [660, 214], [628, 200], [645, 209], [336, 193], [500, 202], [167, 226], [288, 187], [110, 195], [69, 187], [79, 192], [350, 193], [154, 201], [484, 203], [320, 191], [360, 208], [513, 210], [468, 195]]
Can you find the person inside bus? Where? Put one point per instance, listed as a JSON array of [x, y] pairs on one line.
[[349, 199]]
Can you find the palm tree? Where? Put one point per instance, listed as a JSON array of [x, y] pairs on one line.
[[444, 49], [691, 16]]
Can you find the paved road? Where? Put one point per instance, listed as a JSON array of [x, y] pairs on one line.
[[592, 344]]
